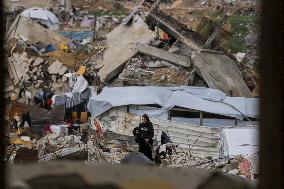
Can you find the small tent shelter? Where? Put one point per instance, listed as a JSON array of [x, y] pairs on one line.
[[43, 16]]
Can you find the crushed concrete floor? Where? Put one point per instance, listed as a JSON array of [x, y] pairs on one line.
[[145, 70]]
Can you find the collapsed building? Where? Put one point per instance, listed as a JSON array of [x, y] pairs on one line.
[[150, 63], [182, 49]]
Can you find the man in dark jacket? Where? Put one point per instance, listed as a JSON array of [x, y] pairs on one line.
[[144, 136]]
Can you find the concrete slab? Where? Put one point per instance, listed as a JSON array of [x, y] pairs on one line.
[[62, 70], [30, 30], [18, 66], [54, 67], [120, 43], [38, 61], [220, 72], [176, 59]]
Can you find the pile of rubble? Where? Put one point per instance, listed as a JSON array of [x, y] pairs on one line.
[[101, 149], [146, 70], [252, 44], [98, 153], [54, 146], [32, 73]]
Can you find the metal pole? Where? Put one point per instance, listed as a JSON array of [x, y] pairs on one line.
[[201, 119]]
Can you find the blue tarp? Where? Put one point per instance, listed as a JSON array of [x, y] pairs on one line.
[[77, 35]]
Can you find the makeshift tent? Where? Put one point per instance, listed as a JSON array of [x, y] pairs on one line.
[[196, 98], [238, 141], [43, 16]]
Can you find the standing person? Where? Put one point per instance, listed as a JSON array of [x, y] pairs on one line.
[[144, 136], [26, 120]]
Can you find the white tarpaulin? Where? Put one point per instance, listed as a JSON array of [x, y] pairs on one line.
[[44, 16], [197, 98], [238, 141], [59, 129], [80, 85]]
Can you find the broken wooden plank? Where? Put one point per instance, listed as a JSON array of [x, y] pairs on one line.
[[176, 59]]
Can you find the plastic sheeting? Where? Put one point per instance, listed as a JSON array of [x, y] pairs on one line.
[[80, 85], [150, 111], [197, 98], [40, 13], [44, 16], [238, 141], [80, 35]]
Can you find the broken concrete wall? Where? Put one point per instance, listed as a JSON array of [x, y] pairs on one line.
[[54, 146], [18, 66], [29, 72], [9, 87], [31, 31]]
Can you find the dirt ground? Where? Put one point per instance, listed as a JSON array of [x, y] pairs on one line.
[[36, 3], [96, 5]]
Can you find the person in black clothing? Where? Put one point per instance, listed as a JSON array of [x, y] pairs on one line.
[[26, 118], [166, 148], [144, 136]]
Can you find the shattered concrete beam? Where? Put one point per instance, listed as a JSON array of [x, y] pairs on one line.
[[134, 11], [175, 59], [220, 72], [154, 6], [216, 33], [173, 31], [212, 51], [60, 153]]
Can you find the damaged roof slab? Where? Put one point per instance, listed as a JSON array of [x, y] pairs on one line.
[[220, 72], [176, 59], [120, 43]]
